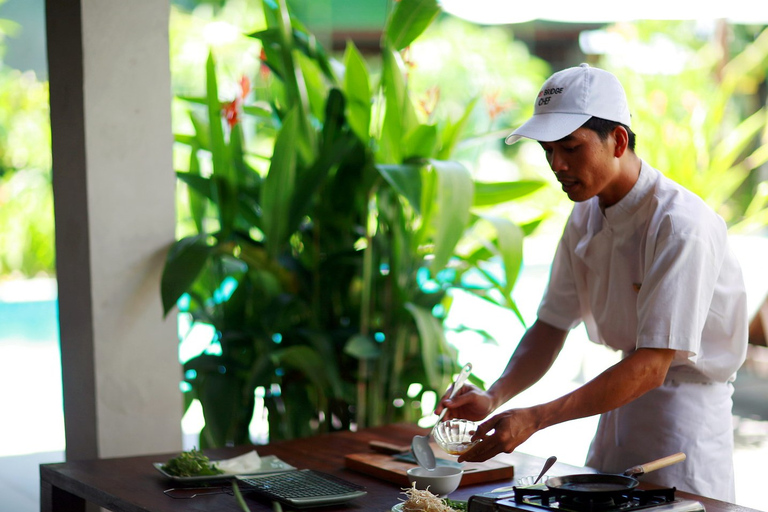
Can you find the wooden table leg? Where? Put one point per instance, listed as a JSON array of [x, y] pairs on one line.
[[54, 499]]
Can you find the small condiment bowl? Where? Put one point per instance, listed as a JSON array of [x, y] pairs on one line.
[[440, 481], [455, 435]]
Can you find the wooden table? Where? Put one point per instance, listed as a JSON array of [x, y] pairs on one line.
[[131, 484]]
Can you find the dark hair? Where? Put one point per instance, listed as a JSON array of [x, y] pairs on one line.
[[603, 127]]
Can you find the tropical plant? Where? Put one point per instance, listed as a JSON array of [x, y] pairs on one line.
[[26, 194], [702, 126], [326, 268]]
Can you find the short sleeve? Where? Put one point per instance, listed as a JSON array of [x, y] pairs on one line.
[[560, 305], [677, 290]]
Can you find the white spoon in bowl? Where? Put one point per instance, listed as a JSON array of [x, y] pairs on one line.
[[420, 448]]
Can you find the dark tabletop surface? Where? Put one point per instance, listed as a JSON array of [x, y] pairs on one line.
[[132, 484]]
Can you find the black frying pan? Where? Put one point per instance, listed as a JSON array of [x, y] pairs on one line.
[[608, 485]]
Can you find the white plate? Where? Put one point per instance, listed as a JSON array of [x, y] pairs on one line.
[[269, 464], [397, 508]]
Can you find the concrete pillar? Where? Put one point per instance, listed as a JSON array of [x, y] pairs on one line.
[[113, 184]]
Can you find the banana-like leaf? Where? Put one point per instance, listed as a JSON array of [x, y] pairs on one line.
[[197, 202], [220, 394], [400, 115], [409, 20], [489, 194], [184, 261], [420, 142], [282, 51], [278, 188], [337, 144], [362, 347], [219, 150], [313, 366], [432, 337], [314, 83], [728, 152], [406, 180], [452, 132], [357, 89], [747, 64], [303, 40], [759, 201], [453, 202], [509, 237]]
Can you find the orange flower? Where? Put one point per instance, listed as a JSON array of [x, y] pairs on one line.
[[494, 106], [429, 102], [245, 87], [263, 69], [231, 113], [408, 60], [232, 109]]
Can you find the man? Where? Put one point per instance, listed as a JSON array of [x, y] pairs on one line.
[[645, 264]]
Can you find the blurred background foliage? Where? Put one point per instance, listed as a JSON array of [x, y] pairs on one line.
[[697, 93], [333, 205], [26, 198], [702, 80]]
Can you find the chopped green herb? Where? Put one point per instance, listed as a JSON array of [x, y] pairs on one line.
[[456, 505], [191, 463]]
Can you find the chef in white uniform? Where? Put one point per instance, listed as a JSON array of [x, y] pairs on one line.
[[646, 265]]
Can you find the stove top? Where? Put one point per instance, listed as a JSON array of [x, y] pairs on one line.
[[542, 499]]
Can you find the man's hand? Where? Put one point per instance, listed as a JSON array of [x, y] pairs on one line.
[[470, 403], [623, 382], [502, 433]]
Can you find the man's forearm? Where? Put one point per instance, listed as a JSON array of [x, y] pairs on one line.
[[630, 378], [537, 350]]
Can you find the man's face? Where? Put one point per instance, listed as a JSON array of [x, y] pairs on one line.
[[586, 166]]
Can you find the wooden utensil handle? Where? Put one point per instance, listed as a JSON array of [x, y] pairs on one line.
[[387, 448], [656, 464]]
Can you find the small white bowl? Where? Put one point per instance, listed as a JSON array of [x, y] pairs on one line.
[[441, 481]]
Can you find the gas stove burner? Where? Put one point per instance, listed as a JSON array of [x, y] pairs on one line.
[[630, 499], [542, 499]]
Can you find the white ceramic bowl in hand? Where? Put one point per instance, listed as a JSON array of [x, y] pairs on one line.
[[441, 481]]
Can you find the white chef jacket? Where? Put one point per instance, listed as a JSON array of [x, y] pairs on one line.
[[655, 270]]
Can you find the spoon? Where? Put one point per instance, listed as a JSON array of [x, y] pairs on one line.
[[525, 481], [420, 448], [548, 464]]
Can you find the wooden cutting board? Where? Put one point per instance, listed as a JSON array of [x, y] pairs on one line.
[[385, 466]]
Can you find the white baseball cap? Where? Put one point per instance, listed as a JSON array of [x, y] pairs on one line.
[[568, 99]]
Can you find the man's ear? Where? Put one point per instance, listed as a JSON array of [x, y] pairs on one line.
[[621, 137]]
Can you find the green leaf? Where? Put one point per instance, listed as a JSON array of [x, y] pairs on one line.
[[409, 19], [420, 142], [219, 150], [197, 201], [220, 395], [304, 40], [726, 153], [357, 89], [454, 199], [509, 238], [314, 84], [360, 346], [489, 194], [337, 144], [432, 339], [185, 259], [314, 367], [277, 190], [400, 116], [406, 180], [452, 132]]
